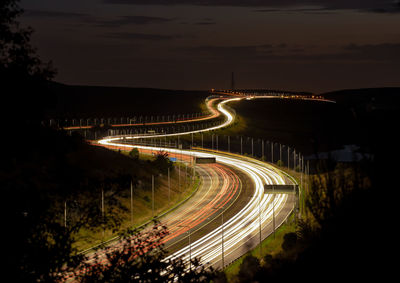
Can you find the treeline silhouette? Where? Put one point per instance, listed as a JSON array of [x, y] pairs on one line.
[[42, 169], [347, 233]]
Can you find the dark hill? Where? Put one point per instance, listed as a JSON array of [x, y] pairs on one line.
[[97, 101], [374, 113]]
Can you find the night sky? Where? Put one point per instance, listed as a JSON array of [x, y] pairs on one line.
[[303, 45]]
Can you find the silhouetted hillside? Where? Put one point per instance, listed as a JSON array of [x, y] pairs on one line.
[[307, 126], [354, 240], [359, 117], [375, 116], [385, 97], [95, 101]]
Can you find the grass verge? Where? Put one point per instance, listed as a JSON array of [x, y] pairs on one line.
[[164, 201], [272, 245]]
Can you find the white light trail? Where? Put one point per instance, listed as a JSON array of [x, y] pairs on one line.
[[245, 224], [229, 118]]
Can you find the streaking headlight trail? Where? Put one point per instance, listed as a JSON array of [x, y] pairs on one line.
[[244, 226]]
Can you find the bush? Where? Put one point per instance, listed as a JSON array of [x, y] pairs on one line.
[[162, 161], [134, 153], [249, 269], [289, 241]]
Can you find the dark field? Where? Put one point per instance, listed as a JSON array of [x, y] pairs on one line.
[[306, 125], [359, 117]]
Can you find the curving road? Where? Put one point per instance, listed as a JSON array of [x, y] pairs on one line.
[[252, 215], [233, 218], [221, 190], [214, 113]]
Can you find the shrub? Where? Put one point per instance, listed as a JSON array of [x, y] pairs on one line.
[[289, 241], [134, 153]]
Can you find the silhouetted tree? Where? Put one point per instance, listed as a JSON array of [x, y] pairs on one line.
[[140, 259], [23, 76], [18, 59], [134, 153], [162, 161], [289, 241], [249, 269]]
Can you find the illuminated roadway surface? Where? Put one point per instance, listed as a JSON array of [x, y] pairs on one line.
[[246, 209], [241, 229], [221, 189]]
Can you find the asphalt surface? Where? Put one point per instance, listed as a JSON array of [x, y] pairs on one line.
[[230, 214]]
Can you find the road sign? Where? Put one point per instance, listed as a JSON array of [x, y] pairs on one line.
[[281, 189]]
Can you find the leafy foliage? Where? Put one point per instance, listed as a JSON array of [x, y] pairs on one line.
[[162, 161], [140, 258], [24, 78], [17, 56], [134, 153]]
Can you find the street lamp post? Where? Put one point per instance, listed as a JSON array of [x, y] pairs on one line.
[[259, 220], [131, 203], [272, 152], [190, 246], [294, 160], [152, 195], [65, 214], [273, 211], [222, 241], [169, 188], [252, 147], [222, 238], [102, 208], [262, 149]]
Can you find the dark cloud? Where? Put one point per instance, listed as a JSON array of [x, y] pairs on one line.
[[141, 36], [237, 53], [98, 21], [379, 53], [389, 52], [365, 5], [131, 20], [320, 10], [386, 52], [53, 14], [205, 23]]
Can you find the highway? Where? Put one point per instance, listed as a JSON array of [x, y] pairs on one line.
[[223, 221], [242, 229], [221, 189], [229, 118]]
